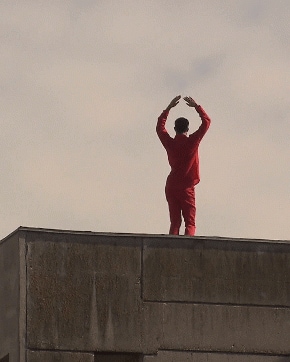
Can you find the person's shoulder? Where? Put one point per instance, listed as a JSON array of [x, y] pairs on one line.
[[193, 135]]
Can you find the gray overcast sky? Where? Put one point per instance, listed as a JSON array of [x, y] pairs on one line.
[[83, 82]]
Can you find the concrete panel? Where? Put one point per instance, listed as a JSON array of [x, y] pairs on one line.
[[84, 293], [171, 356], [44, 356], [152, 327], [217, 271], [9, 298], [225, 328]]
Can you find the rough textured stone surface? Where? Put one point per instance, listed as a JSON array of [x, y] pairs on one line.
[[170, 356], [217, 271], [44, 356]]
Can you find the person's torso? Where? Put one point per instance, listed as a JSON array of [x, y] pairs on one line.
[[183, 159]]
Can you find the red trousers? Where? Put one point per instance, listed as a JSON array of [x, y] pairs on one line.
[[181, 203]]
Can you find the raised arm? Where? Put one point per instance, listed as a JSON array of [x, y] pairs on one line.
[[173, 103], [205, 120], [160, 127]]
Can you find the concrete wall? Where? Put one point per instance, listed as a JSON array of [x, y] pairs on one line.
[[219, 295], [84, 291], [217, 272], [164, 298], [9, 298]]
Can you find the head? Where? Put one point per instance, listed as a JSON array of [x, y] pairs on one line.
[[181, 125]]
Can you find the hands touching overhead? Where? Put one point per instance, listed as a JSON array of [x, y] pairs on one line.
[[173, 103], [189, 101]]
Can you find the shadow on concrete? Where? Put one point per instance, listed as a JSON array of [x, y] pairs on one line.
[[118, 357], [5, 359]]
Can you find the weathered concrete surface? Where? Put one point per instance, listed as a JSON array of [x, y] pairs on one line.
[[84, 293], [9, 298], [217, 271], [171, 356], [5, 358], [44, 356], [168, 298], [225, 328]]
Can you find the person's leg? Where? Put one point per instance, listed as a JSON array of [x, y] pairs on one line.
[[189, 211], [174, 207]]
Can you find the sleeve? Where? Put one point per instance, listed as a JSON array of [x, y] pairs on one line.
[[205, 123], [161, 130]]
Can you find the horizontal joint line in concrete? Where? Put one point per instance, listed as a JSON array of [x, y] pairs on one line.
[[62, 350], [80, 351], [227, 352], [218, 304]]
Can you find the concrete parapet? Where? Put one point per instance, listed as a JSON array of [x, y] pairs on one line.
[[83, 296]]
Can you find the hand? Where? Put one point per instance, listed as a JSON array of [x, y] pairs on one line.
[[173, 103], [190, 102]]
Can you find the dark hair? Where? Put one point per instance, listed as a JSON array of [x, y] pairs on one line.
[[181, 125]]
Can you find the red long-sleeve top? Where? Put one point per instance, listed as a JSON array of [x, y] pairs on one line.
[[182, 151]]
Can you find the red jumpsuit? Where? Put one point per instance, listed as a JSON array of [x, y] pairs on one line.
[[182, 152]]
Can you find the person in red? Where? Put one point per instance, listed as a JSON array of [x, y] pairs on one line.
[[182, 152]]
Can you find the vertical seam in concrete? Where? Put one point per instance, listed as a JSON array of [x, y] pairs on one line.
[[142, 267], [22, 332]]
